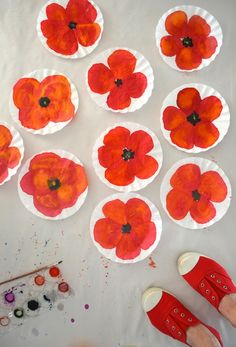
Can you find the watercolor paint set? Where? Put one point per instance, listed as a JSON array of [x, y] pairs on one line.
[[31, 295]]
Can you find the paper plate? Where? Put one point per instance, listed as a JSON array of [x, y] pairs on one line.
[[188, 40], [198, 123], [120, 80], [123, 168], [195, 193], [85, 15], [120, 242], [48, 190], [11, 151], [45, 116]]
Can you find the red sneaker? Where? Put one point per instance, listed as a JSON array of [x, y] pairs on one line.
[[206, 276], [168, 315]]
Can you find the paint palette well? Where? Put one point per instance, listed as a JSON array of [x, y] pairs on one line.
[[35, 294]]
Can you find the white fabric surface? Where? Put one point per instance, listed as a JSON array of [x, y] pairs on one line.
[[115, 317]]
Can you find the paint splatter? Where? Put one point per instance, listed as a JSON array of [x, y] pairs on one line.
[[72, 320], [86, 306], [152, 263], [35, 332]]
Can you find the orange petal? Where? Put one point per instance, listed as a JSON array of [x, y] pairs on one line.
[[117, 137], [144, 234], [3, 170], [207, 46], [188, 58], [143, 166], [188, 100], [67, 195], [55, 87], [87, 34], [44, 160], [55, 12], [202, 211], [137, 211], [107, 233], [178, 204], [198, 26], [205, 134], [108, 155], [34, 118], [61, 111], [5, 137], [140, 142], [116, 211], [100, 79], [213, 186], [81, 12], [81, 182], [173, 117], [183, 136], [186, 178], [122, 63], [170, 45], [23, 92], [48, 204], [176, 23], [119, 98], [119, 174], [60, 38], [127, 249], [210, 108], [12, 156], [135, 84]]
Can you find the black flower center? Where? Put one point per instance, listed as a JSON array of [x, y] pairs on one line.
[[127, 154], [126, 228], [54, 183], [72, 25], [44, 101], [193, 118], [33, 305], [187, 42], [196, 195], [118, 82]]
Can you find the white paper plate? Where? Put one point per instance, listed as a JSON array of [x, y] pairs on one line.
[[27, 200], [190, 11], [220, 207], [16, 142], [138, 183], [82, 51], [124, 197], [222, 122], [142, 65], [51, 127]]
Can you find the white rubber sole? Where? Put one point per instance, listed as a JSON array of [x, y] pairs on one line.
[[151, 298], [188, 261]]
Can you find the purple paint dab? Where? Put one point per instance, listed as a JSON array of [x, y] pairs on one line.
[[9, 297], [86, 306]]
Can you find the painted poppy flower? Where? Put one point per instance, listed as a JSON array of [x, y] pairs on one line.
[[118, 79], [67, 28], [9, 156], [195, 193], [190, 124], [126, 227], [125, 156], [42, 102], [188, 40], [55, 183]]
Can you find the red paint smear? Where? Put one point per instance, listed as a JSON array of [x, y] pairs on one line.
[[152, 263]]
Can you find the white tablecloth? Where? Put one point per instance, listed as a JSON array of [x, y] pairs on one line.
[[115, 317]]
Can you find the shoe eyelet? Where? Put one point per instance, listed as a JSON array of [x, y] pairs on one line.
[[218, 281], [213, 298], [182, 315], [190, 319], [207, 291], [213, 276], [176, 310], [225, 287], [167, 321], [173, 328], [179, 333], [202, 285]]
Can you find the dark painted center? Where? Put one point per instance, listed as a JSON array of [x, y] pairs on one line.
[[118, 82], [72, 25], [127, 154], [19, 312], [187, 42], [33, 305], [196, 195], [126, 228], [193, 118], [54, 183], [44, 101]]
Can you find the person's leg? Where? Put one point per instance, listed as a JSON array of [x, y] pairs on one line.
[[227, 308], [200, 336]]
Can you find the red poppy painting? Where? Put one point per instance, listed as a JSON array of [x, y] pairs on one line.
[[126, 227], [70, 29], [10, 155], [191, 122], [189, 35], [54, 182], [195, 193], [118, 80], [42, 102], [126, 156]]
